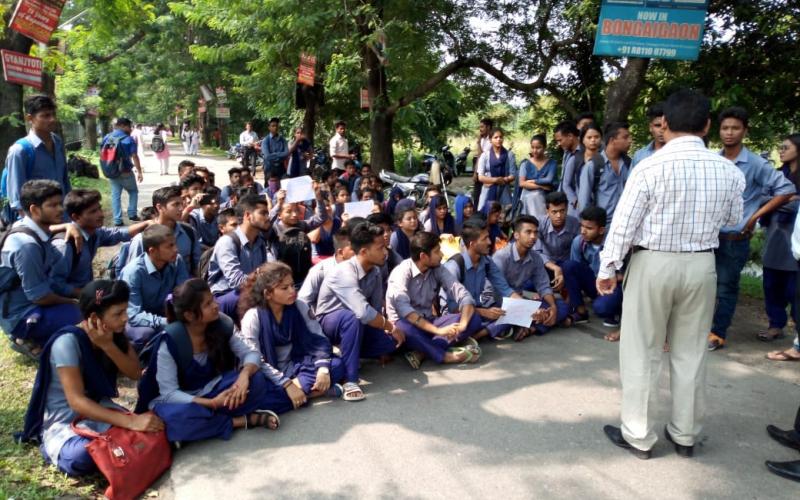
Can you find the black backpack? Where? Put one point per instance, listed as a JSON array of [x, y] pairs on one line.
[[16, 282], [157, 144], [193, 266], [76, 257], [294, 249], [599, 161], [205, 257]]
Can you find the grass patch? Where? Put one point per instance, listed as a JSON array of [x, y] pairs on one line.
[[751, 287], [23, 473]]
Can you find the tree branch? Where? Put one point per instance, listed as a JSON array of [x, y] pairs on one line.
[[431, 83], [124, 47]]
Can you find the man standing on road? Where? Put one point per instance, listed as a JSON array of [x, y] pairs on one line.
[[275, 150], [670, 214], [483, 143], [128, 157], [248, 140], [655, 114], [339, 150]]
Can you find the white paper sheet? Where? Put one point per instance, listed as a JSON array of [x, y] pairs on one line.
[[519, 312], [298, 189], [359, 208]]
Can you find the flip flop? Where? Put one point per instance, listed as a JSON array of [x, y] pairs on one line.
[[612, 336], [781, 356], [263, 419], [335, 391], [766, 337], [349, 389], [413, 359], [26, 348]]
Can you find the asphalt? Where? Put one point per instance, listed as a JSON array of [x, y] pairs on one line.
[[525, 422]]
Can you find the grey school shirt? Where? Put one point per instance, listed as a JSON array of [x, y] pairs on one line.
[[349, 286], [410, 290]]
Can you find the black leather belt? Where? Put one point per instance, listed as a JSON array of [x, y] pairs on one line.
[[638, 248]]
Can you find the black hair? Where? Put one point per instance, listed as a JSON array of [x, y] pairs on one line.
[[567, 127], [687, 111], [423, 242], [123, 122], [472, 230], [156, 235], [525, 219], [233, 171], [37, 191], [37, 103], [245, 191], [367, 190], [496, 130], [78, 201], [349, 163], [188, 297], [488, 122], [148, 213], [495, 206], [586, 115], [223, 215], [185, 163], [555, 198], [258, 284], [433, 187], [352, 222], [655, 111], [541, 138], [339, 123], [587, 128], [595, 214], [210, 193], [379, 218], [161, 196], [399, 214], [736, 112], [274, 119], [192, 179], [341, 238], [612, 130], [99, 295], [248, 204], [363, 235], [441, 201]]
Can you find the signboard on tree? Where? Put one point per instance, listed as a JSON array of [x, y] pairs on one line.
[[305, 72], [222, 96], [22, 69], [223, 112], [37, 19], [658, 29]]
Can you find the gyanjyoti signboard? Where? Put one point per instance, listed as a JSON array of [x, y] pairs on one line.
[[660, 29], [37, 19], [22, 69]]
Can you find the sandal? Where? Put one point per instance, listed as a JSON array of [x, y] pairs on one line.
[[767, 337], [522, 333], [413, 359], [26, 348], [350, 391], [612, 336], [506, 335], [262, 418], [781, 356], [335, 391], [472, 353]]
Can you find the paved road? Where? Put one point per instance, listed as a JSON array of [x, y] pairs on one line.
[[524, 423]]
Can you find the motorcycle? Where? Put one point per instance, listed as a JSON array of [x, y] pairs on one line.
[[320, 164], [460, 165], [446, 164], [413, 187]]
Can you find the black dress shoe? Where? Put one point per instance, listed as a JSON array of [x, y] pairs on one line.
[[135, 218], [786, 438], [615, 435], [789, 470], [682, 450]]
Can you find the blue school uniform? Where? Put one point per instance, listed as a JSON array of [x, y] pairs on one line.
[[45, 166], [293, 348], [207, 231], [641, 154], [27, 269], [503, 165], [580, 276], [49, 416], [324, 247], [78, 275], [569, 179], [610, 188], [189, 248], [173, 379], [532, 200]]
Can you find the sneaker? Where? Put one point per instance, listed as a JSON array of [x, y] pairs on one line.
[[611, 322], [715, 342], [579, 319], [135, 218]]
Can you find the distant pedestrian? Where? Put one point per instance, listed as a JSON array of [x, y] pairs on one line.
[[128, 159], [159, 146]]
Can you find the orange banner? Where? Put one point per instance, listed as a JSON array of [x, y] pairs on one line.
[[37, 19]]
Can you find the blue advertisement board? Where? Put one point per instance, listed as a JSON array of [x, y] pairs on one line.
[[660, 29]]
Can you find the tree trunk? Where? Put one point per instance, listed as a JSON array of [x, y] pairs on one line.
[[11, 94], [312, 110], [223, 133], [622, 93], [90, 122], [381, 153]]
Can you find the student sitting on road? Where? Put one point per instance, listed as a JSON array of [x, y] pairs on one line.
[[233, 184], [227, 222], [204, 218], [240, 253], [441, 221], [151, 277], [524, 270], [192, 187], [556, 232], [169, 204], [473, 268], [296, 354], [350, 303], [192, 381], [580, 273], [413, 288], [34, 303], [77, 378], [83, 207], [316, 275], [407, 224]]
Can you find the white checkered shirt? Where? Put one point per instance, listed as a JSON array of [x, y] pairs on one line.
[[675, 201]]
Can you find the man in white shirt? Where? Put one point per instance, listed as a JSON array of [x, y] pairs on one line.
[[669, 214], [248, 140], [339, 150]]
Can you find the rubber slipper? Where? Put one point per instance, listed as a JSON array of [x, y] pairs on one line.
[[781, 356], [335, 391], [263, 419], [350, 388], [413, 359], [766, 337]]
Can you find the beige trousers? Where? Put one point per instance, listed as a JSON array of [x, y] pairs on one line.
[[667, 296]]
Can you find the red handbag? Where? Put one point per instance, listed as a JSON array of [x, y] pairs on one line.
[[130, 460]]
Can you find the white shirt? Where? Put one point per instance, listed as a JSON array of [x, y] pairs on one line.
[[796, 239], [338, 146], [247, 138], [675, 201]]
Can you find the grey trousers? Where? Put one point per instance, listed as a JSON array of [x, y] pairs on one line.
[[668, 296]]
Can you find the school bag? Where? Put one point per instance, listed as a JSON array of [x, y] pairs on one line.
[[76, 257], [205, 257], [9, 216], [193, 266], [598, 160], [112, 162], [118, 261], [294, 249], [157, 144], [15, 282]]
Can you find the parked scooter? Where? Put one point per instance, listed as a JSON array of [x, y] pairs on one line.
[[460, 165], [447, 164], [413, 187]]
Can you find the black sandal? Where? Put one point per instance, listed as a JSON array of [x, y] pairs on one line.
[[262, 418]]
